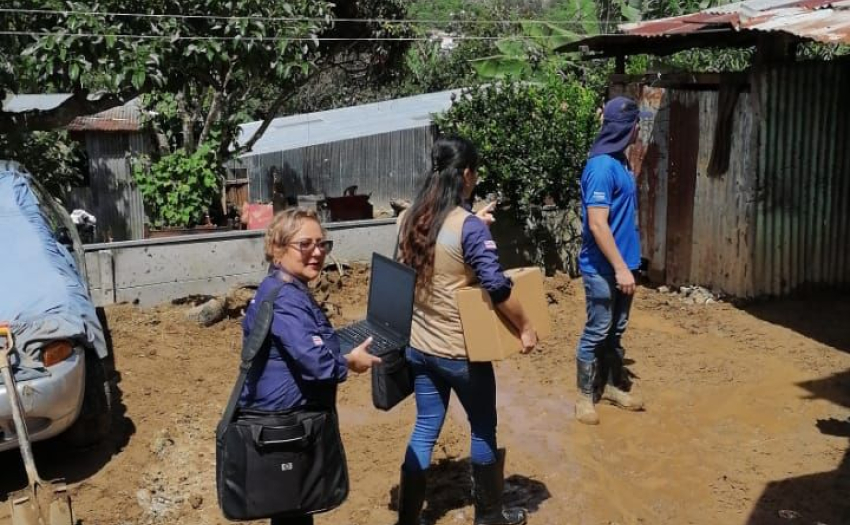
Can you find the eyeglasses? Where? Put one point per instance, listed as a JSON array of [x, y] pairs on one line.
[[306, 246]]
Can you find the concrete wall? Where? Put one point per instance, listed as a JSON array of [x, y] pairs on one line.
[[153, 271]]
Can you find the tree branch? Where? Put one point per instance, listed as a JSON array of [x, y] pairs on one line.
[[163, 146], [271, 114], [212, 116], [187, 120], [78, 105]]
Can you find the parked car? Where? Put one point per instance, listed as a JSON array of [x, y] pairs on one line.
[[62, 364]]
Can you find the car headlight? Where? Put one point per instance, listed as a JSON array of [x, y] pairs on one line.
[[56, 352]]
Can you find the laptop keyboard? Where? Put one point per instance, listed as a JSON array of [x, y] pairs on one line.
[[358, 333]]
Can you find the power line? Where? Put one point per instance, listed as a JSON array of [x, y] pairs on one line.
[[299, 18]]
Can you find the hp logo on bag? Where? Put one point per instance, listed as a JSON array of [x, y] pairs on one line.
[[286, 467]]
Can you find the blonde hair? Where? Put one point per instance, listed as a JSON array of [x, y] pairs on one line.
[[283, 228]]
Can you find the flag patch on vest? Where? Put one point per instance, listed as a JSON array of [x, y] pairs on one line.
[[490, 245], [317, 340]]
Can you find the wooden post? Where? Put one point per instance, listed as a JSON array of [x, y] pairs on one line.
[[620, 67]]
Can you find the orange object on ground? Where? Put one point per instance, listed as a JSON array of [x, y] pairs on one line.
[[257, 216]]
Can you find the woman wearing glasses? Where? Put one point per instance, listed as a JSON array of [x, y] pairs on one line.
[[304, 363]]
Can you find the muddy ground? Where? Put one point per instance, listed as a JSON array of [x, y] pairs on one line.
[[748, 422]]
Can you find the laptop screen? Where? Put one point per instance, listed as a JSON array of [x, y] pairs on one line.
[[391, 289]]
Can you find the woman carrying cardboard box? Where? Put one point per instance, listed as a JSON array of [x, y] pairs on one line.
[[451, 248]]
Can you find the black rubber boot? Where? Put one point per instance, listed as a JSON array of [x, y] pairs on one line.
[[411, 497], [586, 377], [488, 484]]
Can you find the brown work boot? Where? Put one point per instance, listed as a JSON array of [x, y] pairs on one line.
[[586, 375], [585, 411], [615, 391], [621, 398]]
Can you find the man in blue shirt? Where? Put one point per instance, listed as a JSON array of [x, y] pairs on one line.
[[610, 254]]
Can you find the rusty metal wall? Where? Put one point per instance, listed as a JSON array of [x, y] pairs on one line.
[[649, 159], [723, 207], [778, 220], [112, 196], [683, 143], [695, 229], [803, 178], [386, 165]]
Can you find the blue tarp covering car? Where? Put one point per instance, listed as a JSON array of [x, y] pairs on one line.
[[59, 361], [43, 293]]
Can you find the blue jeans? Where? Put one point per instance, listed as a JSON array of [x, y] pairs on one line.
[[434, 380], [607, 316]]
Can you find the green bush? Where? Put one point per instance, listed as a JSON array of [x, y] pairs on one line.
[[533, 138], [179, 189]]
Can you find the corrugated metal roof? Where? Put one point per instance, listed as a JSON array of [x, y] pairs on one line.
[[21, 103], [324, 127], [822, 20], [122, 118]]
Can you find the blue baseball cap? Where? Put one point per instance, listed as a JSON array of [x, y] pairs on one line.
[[618, 119]]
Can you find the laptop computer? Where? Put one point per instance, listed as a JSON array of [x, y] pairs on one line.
[[389, 311]]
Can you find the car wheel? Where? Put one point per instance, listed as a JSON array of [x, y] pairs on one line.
[[95, 420]]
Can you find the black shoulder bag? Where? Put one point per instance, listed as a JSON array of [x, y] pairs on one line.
[[392, 378], [277, 464]]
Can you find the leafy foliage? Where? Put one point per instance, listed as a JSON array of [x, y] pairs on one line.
[[79, 46], [533, 138], [51, 156], [820, 51], [445, 9], [213, 61], [708, 60], [529, 54], [179, 189]]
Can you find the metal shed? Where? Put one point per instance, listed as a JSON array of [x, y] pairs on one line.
[[110, 139], [381, 148], [744, 177]]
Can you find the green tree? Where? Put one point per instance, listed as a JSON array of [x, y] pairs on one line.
[[59, 160], [213, 56], [204, 66], [533, 138]]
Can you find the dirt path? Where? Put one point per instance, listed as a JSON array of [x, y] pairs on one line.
[[748, 422]]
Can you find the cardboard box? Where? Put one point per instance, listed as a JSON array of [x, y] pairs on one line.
[[491, 337]]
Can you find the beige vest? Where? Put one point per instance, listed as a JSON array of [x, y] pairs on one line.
[[436, 326]]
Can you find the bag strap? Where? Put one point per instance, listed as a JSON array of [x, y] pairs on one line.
[[253, 346]]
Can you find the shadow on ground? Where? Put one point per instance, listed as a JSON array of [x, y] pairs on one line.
[[450, 489]]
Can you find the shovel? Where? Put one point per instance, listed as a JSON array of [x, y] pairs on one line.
[[41, 503]]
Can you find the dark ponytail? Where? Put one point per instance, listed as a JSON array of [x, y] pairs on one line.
[[440, 192]]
